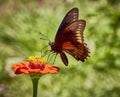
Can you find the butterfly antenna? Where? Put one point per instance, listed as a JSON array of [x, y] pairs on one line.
[[44, 37]]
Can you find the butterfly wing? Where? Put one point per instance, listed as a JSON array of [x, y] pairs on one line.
[[72, 40], [75, 45], [70, 17], [79, 52]]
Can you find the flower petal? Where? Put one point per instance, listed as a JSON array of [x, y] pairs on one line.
[[35, 65], [21, 68]]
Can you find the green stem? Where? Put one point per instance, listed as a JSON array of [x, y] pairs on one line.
[[35, 86]]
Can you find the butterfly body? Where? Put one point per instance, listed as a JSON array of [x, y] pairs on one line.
[[58, 50], [69, 38], [55, 48]]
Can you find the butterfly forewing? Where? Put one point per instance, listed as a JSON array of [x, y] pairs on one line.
[[70, 17]]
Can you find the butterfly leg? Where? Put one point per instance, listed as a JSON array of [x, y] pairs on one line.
[[50, 56], [55, 58], [43, 51]]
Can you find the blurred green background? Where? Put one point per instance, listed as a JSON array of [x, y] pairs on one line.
[[20, 24]]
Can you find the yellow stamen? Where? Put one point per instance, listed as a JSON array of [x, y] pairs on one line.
[[37, 58]]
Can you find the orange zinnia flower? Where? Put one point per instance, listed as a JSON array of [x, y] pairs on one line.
[[35, 64]]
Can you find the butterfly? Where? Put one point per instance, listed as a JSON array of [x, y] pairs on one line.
[[69, 38]]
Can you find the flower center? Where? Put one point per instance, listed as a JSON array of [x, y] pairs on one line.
[[37, 59], [36, 62]]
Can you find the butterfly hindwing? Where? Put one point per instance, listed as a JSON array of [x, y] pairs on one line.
[[79, 52], [73, 33], [74, 41], [64, 58]]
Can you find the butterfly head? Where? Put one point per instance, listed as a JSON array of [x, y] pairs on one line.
[[54, 48], [51, 43]]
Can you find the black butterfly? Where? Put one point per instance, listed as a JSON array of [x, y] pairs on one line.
[[69, 38]]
